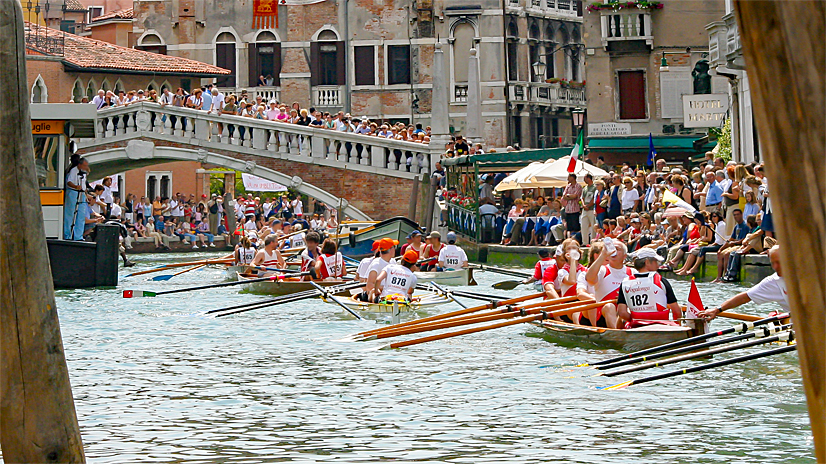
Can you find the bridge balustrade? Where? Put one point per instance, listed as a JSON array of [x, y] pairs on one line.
[[262, 137]]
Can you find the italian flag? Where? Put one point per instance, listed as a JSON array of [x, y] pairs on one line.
[[577, 153]]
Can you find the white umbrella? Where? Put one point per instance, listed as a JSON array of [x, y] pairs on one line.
[[555, 174], [515, 180]]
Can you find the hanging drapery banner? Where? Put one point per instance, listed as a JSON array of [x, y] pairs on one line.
[[265, 14], [257, 184]]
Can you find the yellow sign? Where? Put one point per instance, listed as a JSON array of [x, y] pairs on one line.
[[47, 127]]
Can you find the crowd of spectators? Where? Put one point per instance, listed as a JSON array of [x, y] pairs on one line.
[[726, 208]]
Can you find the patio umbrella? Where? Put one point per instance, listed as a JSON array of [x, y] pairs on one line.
[[555, 173], [515, 180]]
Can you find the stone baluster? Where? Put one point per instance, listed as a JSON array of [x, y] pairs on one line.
[[283, 144], [235, 135], [130, 123], [351, 153], [178, 129], [365, 154], [188, 123], [110, 126], [225, 135], [157, 123], [272, 141], [294, 150], [100, 127], [249, 137], [167, 124], [414, 162], [121, 125], [392, 164]]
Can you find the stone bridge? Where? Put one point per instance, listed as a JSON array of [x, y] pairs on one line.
[[369, 175]]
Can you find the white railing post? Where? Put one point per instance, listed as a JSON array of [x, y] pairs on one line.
[[259, 139], [377, 156], [202, 129]]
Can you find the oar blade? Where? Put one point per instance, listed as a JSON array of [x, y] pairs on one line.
[[506, 285], [618, 386], [137, 294], [162, 277]]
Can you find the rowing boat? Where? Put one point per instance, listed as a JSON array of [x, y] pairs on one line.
[[638, 338], [281, 287], [458, 277], [428, 301], [356, 238]]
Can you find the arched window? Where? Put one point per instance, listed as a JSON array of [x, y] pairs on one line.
[[151, 86], [513, 51], [105, 85], [151, 42], [550, 47], [265, 59], [91, 89], [119, 87], [562, 59], [327, 65], [166, 85], [463, 36], [77, 91], [225, 58], [533, 51], [40, 94]]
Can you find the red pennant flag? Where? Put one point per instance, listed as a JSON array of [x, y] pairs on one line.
[[695, 303]]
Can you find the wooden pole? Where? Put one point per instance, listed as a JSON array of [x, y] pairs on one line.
[[37, 412], [785, 53]]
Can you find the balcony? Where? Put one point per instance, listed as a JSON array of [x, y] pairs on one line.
[[733, 51], [460, 93], [267, 94], [626, 26], [517, 93], [556, 95], [724, 48], [326, 96]]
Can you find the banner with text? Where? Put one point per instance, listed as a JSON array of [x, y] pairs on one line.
[[257, 184], [706, 110]]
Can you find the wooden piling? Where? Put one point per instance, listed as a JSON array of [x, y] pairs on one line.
[[37, 412], [783, 43]]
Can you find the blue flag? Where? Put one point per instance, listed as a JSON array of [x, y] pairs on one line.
[[652, 153]]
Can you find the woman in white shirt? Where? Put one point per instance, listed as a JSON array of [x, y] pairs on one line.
[[699, 253], [630, 196]]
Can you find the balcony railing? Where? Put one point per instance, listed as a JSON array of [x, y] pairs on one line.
[[327, 96], [555, 94], [460, 93], [517, 92], [733, 48], [267, 94], [634, 25]]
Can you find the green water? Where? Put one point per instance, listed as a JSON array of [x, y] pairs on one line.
[[154, 381]]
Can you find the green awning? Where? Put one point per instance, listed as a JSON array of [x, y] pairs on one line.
[[522, 157], [667, 143]]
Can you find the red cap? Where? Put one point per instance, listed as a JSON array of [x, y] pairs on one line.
[[411, 256]]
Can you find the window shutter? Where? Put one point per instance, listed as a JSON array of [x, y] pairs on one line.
[[276, 71], [632, 94], [341, 64], [253, 64], [365, 61], [315, 70]]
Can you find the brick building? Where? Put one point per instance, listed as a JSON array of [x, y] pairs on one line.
[[375, 58]]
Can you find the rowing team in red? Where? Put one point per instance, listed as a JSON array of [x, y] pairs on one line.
[[327, 261], [642, 296]]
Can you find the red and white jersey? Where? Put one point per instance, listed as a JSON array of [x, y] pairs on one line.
[[645, 297], [609, 281], [569, 290], [399, 280], [270, 259], [332, 266], [541, 266], [246, 255], [582, 283], [452, 257], [308, 260], [551, 275]]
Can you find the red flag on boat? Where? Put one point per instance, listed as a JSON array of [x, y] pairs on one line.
[[695, 303]]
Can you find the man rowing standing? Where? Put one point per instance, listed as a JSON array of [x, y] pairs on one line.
[[398, 279], [269, 256], [387, 250], [770, 289], [606, 275], [452, 257], [647, 297]]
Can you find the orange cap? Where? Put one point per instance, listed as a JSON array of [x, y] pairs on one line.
[[411, 256], [387, 243]]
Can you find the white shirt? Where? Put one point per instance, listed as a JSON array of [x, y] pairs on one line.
[[217, 103], [166, 98], [720, 236], [298, 207], [629, 197], [488, 208], [106, 196], [377, 265], [74, 177], [399, 280], [770, 289], [176, 209], [267, 207], [364, 265], [452, 256], [116, 211], [250, 225]]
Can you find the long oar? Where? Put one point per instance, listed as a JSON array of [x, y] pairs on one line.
[[477, 318], [145, 294], [225, 260], [447, 294], [508, 272], [326, 294], [739, 328], [169, 276], [739, 359], [762, 332], [536, 315], [237, 309], [786, 336], [491, 305], [507, 284], [480, 296]]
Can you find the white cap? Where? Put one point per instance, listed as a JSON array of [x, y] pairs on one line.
[[558, 251], [647, 253]]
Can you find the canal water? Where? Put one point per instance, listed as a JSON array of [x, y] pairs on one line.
[[154, 381]]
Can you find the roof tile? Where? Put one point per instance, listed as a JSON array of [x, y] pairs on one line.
[[128, 13]]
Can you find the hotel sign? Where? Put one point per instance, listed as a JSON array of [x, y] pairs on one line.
[[708, 110], [608, 129]]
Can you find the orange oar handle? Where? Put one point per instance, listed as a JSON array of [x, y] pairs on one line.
[[510, 311], [520, 320], [454, 313]]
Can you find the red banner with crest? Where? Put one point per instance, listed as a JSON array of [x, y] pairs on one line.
[[265, 14]]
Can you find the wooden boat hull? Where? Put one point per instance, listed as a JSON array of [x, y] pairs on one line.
[[426, 302], [283, 287], [396, 228], [635, 339], [457, 278]]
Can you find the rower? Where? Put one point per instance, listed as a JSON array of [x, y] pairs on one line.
[[452, 257], [364, 264], [398, 279], [545, 261], [330, 265], [431, 250], [586, 291], [245, 252], [415, 243], [647, 297], [606, 275], [297, 240], [311, 253], [550, 277], [770, 289], [569, 272], [269, 256], [387, 250]]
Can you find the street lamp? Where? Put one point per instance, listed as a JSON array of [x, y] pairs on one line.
[[539, 69], [663, 64], [578, 116]]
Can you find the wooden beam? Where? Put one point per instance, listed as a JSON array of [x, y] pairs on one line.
[[784, 43], [37, 412]]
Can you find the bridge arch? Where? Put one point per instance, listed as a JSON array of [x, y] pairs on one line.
[[141, 153]]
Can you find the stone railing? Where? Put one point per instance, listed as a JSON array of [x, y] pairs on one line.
[[626, 25], [327, 96], [555, 94], [258, 137]]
